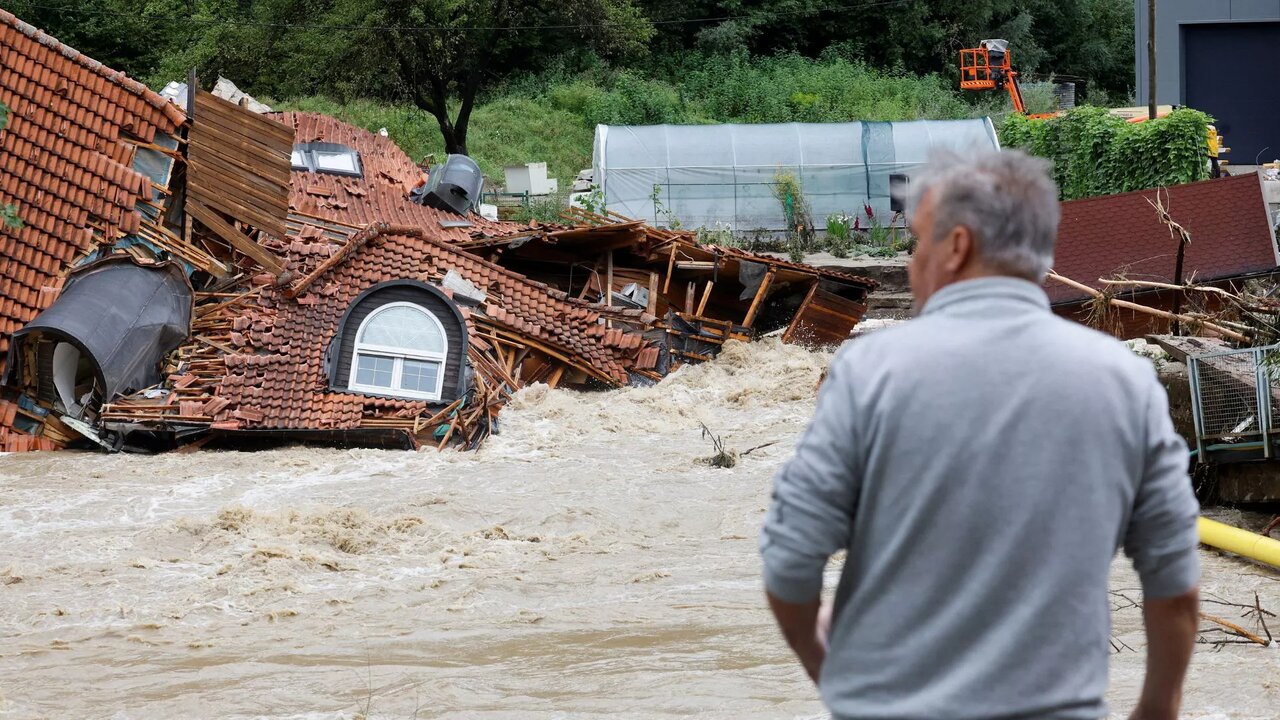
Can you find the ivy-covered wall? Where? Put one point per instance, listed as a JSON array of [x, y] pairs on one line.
[[1097, 153]]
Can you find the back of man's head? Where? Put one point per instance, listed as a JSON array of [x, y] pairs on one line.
[[1006, 199]]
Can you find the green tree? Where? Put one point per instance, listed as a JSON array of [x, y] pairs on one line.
[[1085, 40], [437, 55], [132, 36]]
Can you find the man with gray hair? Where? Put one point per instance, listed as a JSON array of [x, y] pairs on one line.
[[980, 465]]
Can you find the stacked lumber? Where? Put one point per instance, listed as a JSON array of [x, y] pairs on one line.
[[193, 370]]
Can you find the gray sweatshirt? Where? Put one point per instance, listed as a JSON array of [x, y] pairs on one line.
[[981, 465]]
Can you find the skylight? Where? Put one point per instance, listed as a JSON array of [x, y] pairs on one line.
[[326, 158]]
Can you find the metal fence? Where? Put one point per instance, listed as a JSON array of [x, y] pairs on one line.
[[1234, 397]]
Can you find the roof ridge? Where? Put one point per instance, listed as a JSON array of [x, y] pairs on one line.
[[1166, 188], [170, 110]]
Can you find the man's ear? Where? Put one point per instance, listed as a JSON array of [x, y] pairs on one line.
[[959, 249]]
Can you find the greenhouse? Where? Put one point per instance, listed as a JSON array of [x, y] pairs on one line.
[[704, 175]]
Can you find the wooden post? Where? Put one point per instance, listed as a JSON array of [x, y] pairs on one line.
[[761, 292], [554, 380], [652, 309], [608, 286], [706, 295], [795, 321], [671, 264], [690, 293], [1151, 59]]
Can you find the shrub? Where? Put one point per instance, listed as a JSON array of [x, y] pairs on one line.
[[797, 213], [839, 228], [8, 213], [1097, 153], [545, 209]]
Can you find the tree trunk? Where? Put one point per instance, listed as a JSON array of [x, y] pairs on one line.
[[455, 139], [463, 120]]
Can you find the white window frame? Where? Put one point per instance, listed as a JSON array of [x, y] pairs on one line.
[[399, 355], [319, 157]]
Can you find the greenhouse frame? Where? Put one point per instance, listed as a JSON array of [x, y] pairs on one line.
[[718, 176]]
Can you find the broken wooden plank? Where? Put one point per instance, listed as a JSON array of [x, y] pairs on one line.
[[238, 240], [761, 293]]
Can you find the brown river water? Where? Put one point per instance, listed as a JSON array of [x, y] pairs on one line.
[[582, 564]]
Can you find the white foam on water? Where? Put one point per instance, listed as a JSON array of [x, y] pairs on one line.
[[581, 564]]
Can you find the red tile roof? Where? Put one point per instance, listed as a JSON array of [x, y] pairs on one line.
[[1101, 236], [276, 378], [63, 162], [379, 196]]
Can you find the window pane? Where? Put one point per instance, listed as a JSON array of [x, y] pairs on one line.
[[297, 160], [419, 376], [411, 329], [339, 162], [374, 370]]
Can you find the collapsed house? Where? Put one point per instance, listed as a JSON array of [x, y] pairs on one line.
[[205, 272], [701, 295], [1118, 246]]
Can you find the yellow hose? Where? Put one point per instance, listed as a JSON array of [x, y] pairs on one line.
[[1241, 542]]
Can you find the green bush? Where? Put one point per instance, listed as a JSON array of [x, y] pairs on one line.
[[8, 213], [838, 229], [1097, 153], [542, 209], [791, 88]]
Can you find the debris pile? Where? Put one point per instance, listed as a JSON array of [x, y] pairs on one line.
[[277, 280]]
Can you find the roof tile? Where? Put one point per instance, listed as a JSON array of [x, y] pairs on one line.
[[61, 162]]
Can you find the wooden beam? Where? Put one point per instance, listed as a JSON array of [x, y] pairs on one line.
[[706, 295], [652, 308], [1224, 332], [608, 287], [238, 240], [554, 380], [795, 320], [691, 292], [671, 262], [761, 293]]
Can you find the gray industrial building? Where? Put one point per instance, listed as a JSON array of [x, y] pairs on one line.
[[1222, 57]]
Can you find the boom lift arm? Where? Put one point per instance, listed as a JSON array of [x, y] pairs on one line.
[[988, 67]]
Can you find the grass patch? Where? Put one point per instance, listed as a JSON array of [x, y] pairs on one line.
[[506, 131]]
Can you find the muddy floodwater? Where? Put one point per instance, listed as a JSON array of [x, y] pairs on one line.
[[583, 564]]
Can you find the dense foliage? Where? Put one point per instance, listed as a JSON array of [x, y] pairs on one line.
[[1096, 153], [692, 60], [551, 116]]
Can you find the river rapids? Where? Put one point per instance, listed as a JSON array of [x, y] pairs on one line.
[[585, 563]]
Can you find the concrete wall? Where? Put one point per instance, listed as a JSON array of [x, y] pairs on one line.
[[1170, 16]]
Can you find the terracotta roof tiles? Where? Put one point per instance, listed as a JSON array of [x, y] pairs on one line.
[[63, 161], [276, 378]]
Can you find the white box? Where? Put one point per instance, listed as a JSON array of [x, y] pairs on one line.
[[530, 178]]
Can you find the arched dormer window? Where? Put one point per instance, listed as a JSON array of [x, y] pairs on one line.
[[400, 349], [401, 339]]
